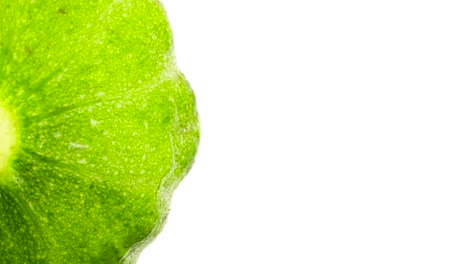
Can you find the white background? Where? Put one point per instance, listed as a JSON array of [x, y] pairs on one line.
[[332, 132]]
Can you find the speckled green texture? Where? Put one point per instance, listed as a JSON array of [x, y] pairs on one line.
[[106, 127]]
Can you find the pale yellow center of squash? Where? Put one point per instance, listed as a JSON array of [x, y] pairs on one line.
[[7, 140]]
